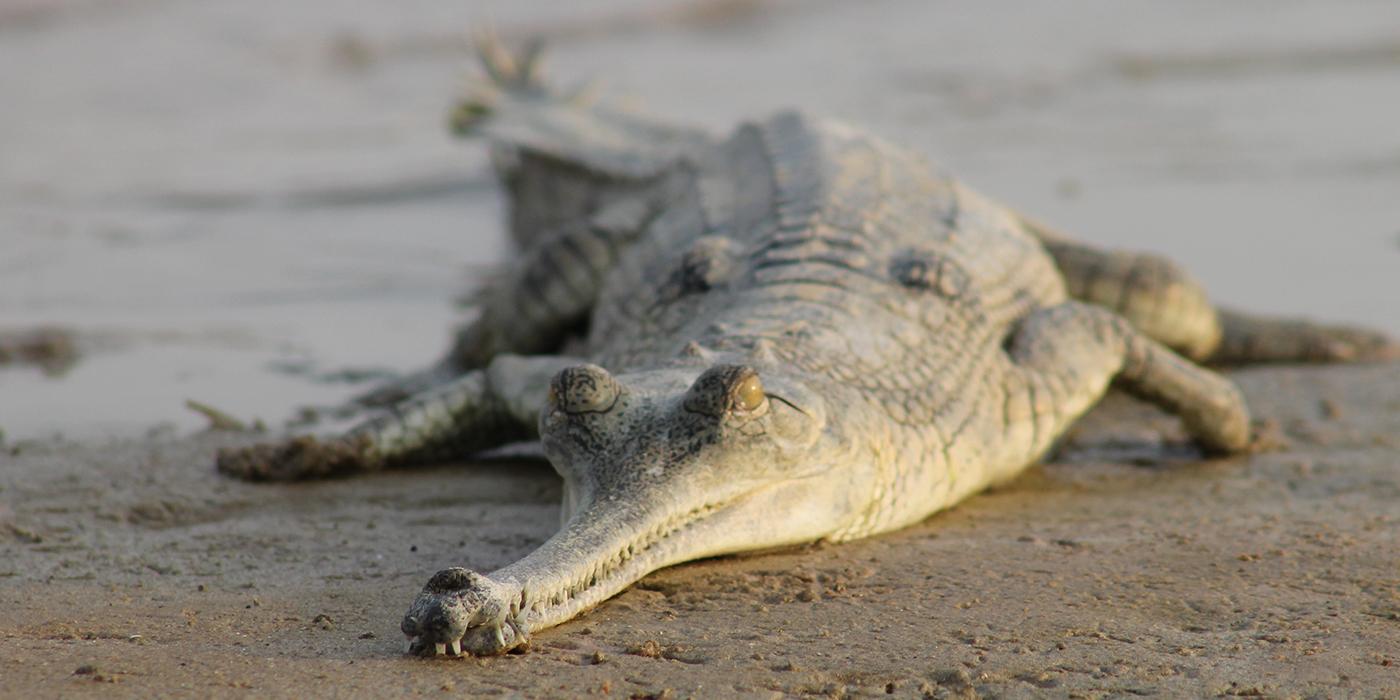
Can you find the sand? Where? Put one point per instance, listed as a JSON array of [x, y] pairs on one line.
[[131, 568], [257, 208]]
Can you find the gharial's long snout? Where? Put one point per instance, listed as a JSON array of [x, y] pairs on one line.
[[607, 545], [655, 476]]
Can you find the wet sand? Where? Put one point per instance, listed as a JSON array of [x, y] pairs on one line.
[[259, 210], [130, 568]]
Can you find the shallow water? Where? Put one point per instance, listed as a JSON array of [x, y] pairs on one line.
[[228, 202]]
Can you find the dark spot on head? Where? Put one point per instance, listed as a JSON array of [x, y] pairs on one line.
[[705, 266], [930, 272]]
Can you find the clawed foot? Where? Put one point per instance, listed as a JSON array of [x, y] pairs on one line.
[[463, 611], [299, 458]]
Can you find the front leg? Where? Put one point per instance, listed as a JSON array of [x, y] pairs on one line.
[[1064, 357], [479, 410]]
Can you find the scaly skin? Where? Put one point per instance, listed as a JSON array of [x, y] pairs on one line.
[[809, 334]]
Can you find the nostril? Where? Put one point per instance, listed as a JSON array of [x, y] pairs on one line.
[[584, 389], [448, 580]]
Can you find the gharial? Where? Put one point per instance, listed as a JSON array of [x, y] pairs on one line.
[[797, 333]]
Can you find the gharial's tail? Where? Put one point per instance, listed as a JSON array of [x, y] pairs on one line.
[[1247, 338], [562, 154], [512, 104], [514, 74]]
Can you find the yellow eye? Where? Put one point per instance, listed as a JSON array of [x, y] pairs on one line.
[[748, 395]]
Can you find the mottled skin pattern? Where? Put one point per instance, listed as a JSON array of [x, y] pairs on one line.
[[808, 334]]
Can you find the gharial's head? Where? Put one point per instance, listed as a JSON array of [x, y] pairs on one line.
[[658, 469], [726, 434]]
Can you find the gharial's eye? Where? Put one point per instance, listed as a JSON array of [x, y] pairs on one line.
[[748, 394], [726, 389]]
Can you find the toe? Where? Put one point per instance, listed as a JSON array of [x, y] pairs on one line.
[[299, 458]]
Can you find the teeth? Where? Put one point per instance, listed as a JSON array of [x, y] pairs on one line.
[[411, 642], [456, 647], [440, 648]]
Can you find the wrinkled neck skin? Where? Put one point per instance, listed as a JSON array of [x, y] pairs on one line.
[[642, 492]]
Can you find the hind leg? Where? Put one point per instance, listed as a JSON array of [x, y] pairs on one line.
[[1151, 292], [1064, 357], [547, 294], [1162, 300], [582, 181], [479, 410]]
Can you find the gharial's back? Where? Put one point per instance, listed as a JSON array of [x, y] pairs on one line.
[[855, 258], [815, 247]]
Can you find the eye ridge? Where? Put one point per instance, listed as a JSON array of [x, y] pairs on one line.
[[727, 390], [584, 389]]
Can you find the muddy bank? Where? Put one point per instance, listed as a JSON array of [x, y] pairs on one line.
[[130, 567]]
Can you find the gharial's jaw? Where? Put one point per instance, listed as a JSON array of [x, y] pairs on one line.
[[584, 564], [606, 547]]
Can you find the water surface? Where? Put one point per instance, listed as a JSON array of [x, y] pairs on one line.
[[232, 202]]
